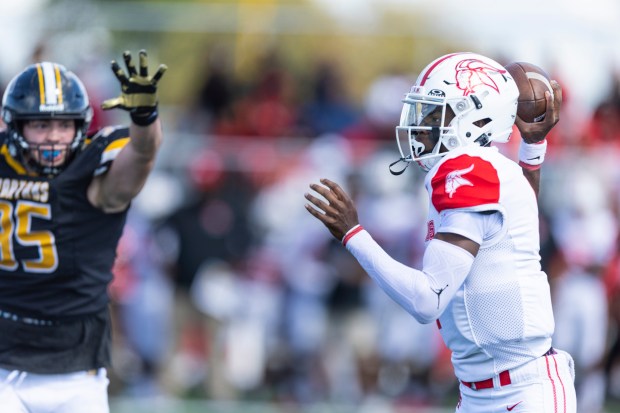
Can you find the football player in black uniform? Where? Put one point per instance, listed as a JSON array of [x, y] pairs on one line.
[[64, 197]]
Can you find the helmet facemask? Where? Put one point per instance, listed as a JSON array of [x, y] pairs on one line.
[[44, 158], [426, 130]]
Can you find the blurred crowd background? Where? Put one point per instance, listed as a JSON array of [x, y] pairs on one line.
[[226, 289]]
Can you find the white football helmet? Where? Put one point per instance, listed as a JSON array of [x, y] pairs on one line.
[[476, 92]]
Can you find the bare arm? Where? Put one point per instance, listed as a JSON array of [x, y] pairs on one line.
[[533, 177], [113, 191]]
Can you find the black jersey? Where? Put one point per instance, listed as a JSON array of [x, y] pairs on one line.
[[56, 249]]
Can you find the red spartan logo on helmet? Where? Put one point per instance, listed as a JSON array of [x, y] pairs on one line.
[[472, 73]]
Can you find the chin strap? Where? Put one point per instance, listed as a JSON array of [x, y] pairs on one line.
[[393, 172], [483, 140]]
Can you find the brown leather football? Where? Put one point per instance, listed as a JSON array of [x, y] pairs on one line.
[[532, 82]]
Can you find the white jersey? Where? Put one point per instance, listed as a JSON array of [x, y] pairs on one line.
[[501, 317]]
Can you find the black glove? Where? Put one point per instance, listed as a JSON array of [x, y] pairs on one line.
[[138, 91]]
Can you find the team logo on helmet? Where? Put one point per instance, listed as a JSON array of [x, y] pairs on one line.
[[52, 108], [474, 73]]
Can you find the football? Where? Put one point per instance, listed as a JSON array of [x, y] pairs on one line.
[[532, 82]]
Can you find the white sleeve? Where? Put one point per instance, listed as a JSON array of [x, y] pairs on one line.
[[424, 294], [476, 226]]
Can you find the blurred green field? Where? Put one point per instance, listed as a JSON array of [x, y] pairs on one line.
[[127, 405], [205, 406]]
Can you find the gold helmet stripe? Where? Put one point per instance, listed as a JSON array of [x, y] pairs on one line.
[[58, 83], [50, 86], [41, 85]]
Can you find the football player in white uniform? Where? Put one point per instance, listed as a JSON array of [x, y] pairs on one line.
[[481, 280]]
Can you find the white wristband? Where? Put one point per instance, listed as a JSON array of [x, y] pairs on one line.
[[532, 155]]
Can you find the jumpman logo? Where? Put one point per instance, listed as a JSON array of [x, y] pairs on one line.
[[438, 292]]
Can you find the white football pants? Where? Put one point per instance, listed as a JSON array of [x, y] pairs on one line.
[[23, 392], [544, 385]]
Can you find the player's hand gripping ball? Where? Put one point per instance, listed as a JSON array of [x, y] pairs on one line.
[[532, 82]]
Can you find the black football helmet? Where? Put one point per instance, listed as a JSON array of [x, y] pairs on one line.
[[44, 91]]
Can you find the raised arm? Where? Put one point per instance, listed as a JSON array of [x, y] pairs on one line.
[[113, 191], [534, 144]]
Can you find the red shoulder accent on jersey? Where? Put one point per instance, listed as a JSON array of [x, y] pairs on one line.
[[465, 181]]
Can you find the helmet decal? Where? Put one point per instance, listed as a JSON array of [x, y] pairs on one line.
[[473, 73], [50, 87]]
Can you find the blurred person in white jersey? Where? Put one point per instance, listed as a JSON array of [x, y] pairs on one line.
[[585, 228], [481, 279]]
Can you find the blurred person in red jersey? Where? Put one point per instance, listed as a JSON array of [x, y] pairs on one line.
[[267, 108], [602, 129]]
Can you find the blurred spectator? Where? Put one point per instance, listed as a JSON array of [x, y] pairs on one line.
[[612, 283], [382, 108], [216, 93], [329, 109], [213, 223], [268, 108], [143, 302], [308, 277], [212, 227], [585, 229], [603, 129], [215, 96]]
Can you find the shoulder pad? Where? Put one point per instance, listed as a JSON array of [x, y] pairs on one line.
[[464, 181], [110, 132]]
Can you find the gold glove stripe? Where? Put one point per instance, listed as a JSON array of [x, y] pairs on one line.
[[139, 100]]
